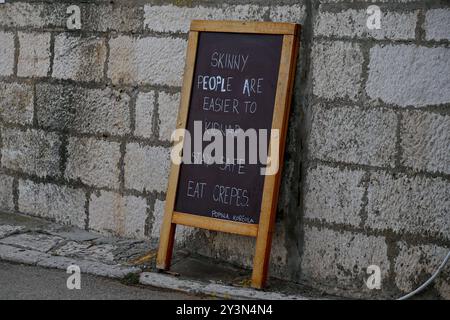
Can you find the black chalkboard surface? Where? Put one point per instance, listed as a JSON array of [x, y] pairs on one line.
[[238, 75], [230, 192]]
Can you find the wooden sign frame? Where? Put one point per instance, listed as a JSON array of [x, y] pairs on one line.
[[264, 230]]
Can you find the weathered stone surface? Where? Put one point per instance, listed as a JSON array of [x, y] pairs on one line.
[[34, 54], [353, 23], [6, 193], [334, 195], [114, 17], [95, 17], [350, 134], [67, 107], [60, 203], [337, 70], [158, 214], [7, 230], [93, 162], [90, 267], [101, 252], [295, 13], [408, 75], [20, 14], [437, 24], [425, 141], [16, 103], [145, 104], [160, 280], [7, 53], [35, 15], [340, 259], [119, 215], [87, 251], [415, 264], [19, 255], [72, 248], [182, 233], [170, 18], [36, 242], [239, 250], [146, 168], [78, 58], [168, 106], [32, 151], [409, 204], [146, 60]]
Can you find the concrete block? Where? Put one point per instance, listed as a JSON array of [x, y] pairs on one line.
[[170, 18], [425, 141], [146, 168], [93, 162], [353, 24], [295, 13], [62, 204], [148, 60], [416, 205], [334, 195], [168, 107], [7, 52], [79, 58], [34, 54], [16, 103], [408, 75], [66, 107], [353, 135], [33, 15], [415, 264], [6, 193], [337, 70], [31, 151], [145, 104], [94, 16], [115, 17], [183, 234], [437, 24], [123, 216], [340, 259]]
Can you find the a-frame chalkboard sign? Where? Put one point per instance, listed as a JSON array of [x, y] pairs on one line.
[[237, 75]]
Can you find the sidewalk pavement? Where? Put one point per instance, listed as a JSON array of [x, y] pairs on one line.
[[24, 282], [34, 241]]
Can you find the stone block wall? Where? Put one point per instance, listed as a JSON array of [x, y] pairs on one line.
[[86, 117]]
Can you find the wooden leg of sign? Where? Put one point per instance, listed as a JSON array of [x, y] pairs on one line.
[[168, 228], [166, 244], [272, 183], [261, 259]]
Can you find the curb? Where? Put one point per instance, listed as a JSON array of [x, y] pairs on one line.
[[40, 259], [165, 281], [35, 250]]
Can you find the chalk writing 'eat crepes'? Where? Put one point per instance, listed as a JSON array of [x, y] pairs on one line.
[[230, 61]]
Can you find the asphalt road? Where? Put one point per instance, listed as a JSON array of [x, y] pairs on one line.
[[19, 282]]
